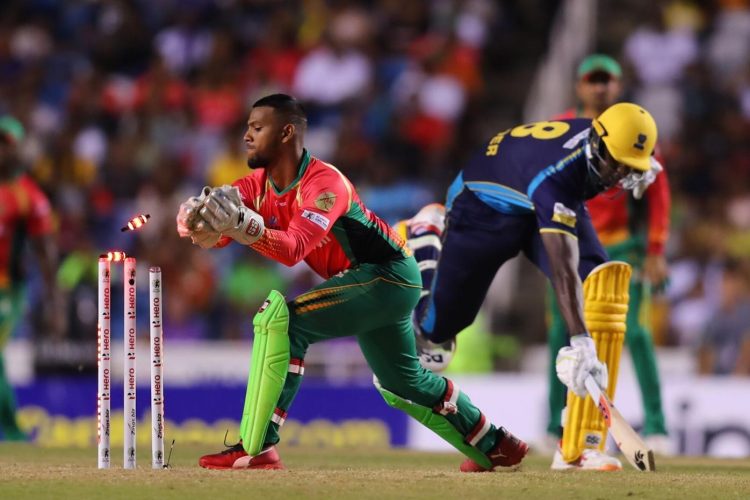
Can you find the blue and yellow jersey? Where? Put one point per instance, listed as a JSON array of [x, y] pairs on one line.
[[538, 168]]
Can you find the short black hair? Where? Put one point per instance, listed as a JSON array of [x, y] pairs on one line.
[[287, 106]]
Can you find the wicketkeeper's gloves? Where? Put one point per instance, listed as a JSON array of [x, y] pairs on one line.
[[224, 211]]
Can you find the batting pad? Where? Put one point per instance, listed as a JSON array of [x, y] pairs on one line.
[[268, 369], [605, 308], [436, 423]]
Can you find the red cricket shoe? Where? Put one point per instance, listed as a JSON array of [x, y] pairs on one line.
[[235, 457], [508, 451]]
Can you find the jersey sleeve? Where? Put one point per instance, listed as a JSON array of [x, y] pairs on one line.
[[323, 198], [659, 204], [555, 207], [39, 221]]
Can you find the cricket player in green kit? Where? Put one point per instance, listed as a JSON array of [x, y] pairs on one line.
[[25, 218], [295, 207]]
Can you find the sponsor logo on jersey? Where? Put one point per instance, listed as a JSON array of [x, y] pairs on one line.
[[563, 215], [316, 218], [325, 201]]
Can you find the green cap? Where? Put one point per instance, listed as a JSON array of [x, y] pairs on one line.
[[599, 62], [11, 128]]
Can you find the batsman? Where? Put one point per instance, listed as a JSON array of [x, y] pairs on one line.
[[633, 228], [525, 192], [294, 207]]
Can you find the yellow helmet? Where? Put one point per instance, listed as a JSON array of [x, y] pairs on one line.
[[629, 133]]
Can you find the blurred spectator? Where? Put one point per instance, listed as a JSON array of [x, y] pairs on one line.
[[25, 219], [728, 47], [336, 71], [659, 54], [725, 346]]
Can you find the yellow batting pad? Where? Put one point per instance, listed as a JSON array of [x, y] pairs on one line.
[[605, 309]]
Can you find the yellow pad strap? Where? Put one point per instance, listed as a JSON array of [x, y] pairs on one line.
[[605, 309]]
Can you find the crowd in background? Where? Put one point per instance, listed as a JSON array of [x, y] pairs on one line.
[[132, 106], [690, 66]]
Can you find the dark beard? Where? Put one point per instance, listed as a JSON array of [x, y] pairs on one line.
[[593, 184], [257, 161]]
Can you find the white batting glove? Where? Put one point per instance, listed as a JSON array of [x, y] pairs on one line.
[[647, 178], [224, 211], [575, 363]]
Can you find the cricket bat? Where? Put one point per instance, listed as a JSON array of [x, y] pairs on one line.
[[630, 443]]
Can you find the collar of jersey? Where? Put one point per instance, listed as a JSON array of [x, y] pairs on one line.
[[304, 162]]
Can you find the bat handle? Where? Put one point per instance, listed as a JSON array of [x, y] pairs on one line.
[[594, 390]]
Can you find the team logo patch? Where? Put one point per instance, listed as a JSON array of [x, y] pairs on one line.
[[639, 144], [563, 215], [325, 201], [316, 218]]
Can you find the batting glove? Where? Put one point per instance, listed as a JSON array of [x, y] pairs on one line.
[[575, 363]]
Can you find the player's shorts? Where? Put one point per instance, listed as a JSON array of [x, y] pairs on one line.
[[476, 242]]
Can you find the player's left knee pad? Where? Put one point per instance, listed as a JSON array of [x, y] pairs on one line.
[[435, 420], [268, 368], [605, 309]]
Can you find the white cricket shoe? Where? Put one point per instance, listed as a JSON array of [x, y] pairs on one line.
[[660, 444], [589, 460]]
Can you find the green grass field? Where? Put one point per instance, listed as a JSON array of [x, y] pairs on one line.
[[27, 471]]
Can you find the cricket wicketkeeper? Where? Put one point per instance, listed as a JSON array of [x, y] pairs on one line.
[[295, 207]]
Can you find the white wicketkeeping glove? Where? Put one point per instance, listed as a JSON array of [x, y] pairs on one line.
[[224, 211], [191, 225], [575, 363], [188, 217], [208, 238], [647, 179]]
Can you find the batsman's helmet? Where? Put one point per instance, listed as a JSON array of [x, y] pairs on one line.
[[628, 132]]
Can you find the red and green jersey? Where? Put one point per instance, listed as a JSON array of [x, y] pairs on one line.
[[24, 212], [318, 218], [617, 218]]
